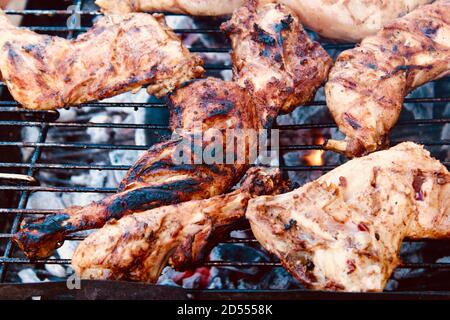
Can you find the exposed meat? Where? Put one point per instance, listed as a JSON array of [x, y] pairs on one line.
[[159, 177], [367, 86], [346, 236], [138, 246], [119, 54], [192, 7], [348, 20], [274, 58]]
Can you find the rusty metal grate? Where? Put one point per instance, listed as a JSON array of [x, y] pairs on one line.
[[15, 118]]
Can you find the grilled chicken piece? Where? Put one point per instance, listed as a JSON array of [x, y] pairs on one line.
[[350, 20], [137, 247], [367, 86], [274, 58], [119, 54], [159, 177], [343, 232], [192, 7], [347, 20]]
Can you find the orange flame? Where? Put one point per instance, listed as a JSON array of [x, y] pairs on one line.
[[315, 157]]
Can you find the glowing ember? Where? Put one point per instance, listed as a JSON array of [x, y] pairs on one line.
[[315, 157]]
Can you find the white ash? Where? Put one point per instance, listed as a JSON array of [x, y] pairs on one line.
[[28, 276], [239, 234], [215, 283], [100, 135], [180, 22], [56, 270], [167, 282], [45, 200], [67, 250], [443, 260], [67, 115], [32, 135], [167, 277], [193, 281], [91, 178]]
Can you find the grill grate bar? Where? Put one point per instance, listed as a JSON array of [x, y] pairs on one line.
[[126, 167], [208, 67], [249, 241], [332, 125], [58, 189], [27, 12], [238, 264], [23, 200], [112, 190], [442, 121], [84, 29], [26, 144], [24, 194], [81, 189]]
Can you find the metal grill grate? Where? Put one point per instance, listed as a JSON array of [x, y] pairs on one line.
[[15, 118]]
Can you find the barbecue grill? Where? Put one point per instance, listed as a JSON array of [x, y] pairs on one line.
[[434, 281]]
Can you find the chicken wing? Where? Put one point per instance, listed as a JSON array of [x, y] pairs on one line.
[[343, 232], [138, 246], [367, 86], [119, 54], [159, 177], [347, 20]]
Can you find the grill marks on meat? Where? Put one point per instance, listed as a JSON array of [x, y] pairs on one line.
[[138, 246], [216, 105], [119, 54], [275, 59], [347, 236], [367, 86], [159, 177]]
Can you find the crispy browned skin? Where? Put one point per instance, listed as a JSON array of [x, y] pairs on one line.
[[137, 247], [155, 179], [274, 58], [367, 86], [119, 54], [343, 232], [348, 20], [159, 177]]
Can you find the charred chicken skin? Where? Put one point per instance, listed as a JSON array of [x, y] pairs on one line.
[[347, 20], [274, 58], [159, 177], [137, 247], [156, 180], [343, 231], [119, 54], [367, 85]]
